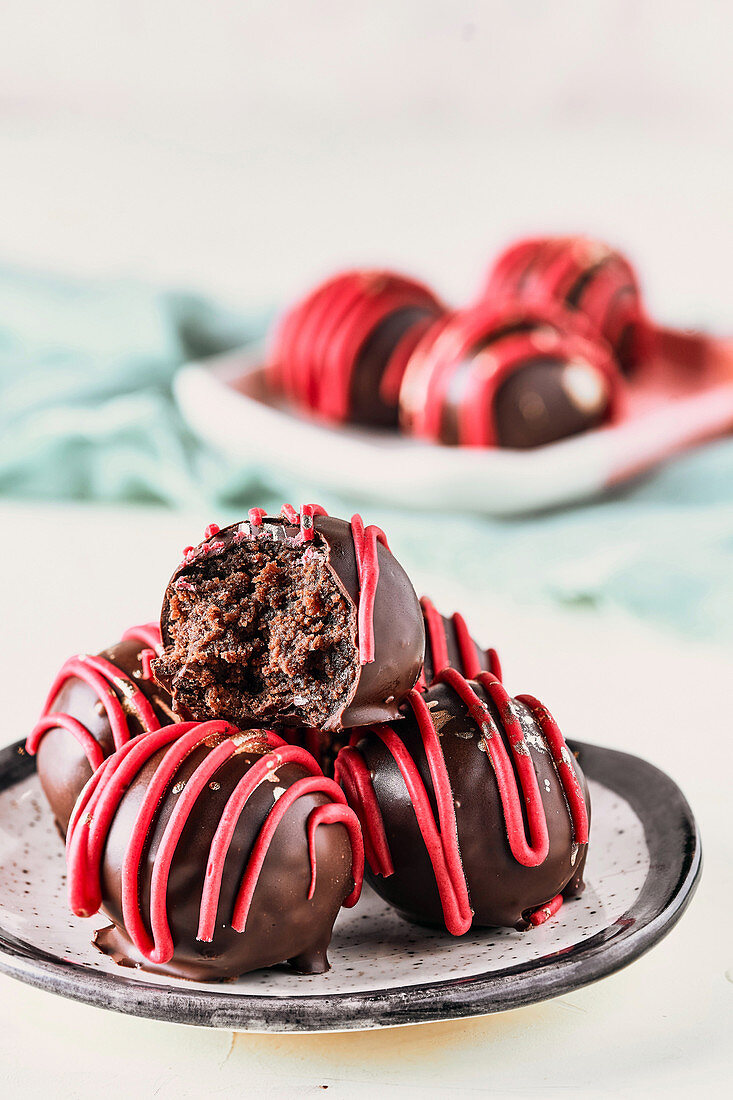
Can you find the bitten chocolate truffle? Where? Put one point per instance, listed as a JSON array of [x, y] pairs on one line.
[[297, 619], [214, 852], [580, 274], [340, 352], [473, 809], [95, 705], [509, 375]]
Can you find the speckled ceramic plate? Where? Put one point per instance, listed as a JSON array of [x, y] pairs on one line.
[[644, 861]]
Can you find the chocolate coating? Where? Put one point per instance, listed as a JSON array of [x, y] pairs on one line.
[[282, 924], [323, 747], [581, 274], [502, 892], [366, 693], [63, 767], [510, 374], [485, 660], [369, 404], [339, 352], [547, 400]]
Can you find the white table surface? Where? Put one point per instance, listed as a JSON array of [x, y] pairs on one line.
[[74, 577]]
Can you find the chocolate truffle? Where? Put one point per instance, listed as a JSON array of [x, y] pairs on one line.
[[580, 274], [341, 351], [95, 705], [214, 852], [474, 811], [448, 644], [511, 375], [297, 619]]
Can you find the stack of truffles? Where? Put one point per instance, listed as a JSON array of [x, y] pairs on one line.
[[219, 779], [545, 351]]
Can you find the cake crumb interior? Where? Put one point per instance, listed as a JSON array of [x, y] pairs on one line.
[[260, 632]]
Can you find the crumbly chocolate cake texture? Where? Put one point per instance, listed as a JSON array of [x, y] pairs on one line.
[[297, 619]]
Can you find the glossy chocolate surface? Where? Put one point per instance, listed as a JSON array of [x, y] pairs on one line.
[[369, 404], [282, 925], [482, 659], [501, 891], [63, 767], [539, 403]]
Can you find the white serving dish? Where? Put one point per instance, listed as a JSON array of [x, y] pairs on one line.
[[678, 399]]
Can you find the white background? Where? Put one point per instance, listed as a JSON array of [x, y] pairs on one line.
[[249, 146], [245, 149]]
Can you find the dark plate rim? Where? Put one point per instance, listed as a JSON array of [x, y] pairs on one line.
[[674, 846]]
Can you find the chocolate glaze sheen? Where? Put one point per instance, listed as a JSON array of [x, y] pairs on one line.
[[585, 275], [443, 647], [368, 403], [447, 642], [282, 924], [63, 767], [377, 687], [509, 374], [501, 891], [539, 404]]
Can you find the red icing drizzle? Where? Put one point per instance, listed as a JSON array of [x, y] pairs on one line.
[[106, 679], [437, 645], [147, 633], [435, 636], [307, 514], [546, 911], [100, 800], [316, 346], [441, 837], [92, 749], [367, 563], [146, 656], [457, 340], [352, 774], [467, 648], [581, 273], [290, 515]]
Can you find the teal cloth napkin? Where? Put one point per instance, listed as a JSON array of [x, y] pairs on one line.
[[86, 412], [86, 408]]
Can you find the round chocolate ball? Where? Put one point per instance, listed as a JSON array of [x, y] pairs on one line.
[[549, 399], [95, 705], [448, 644], [214, 852], [474, 811], [340, 352], [510, 376], [580, 274], [297, 619]]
